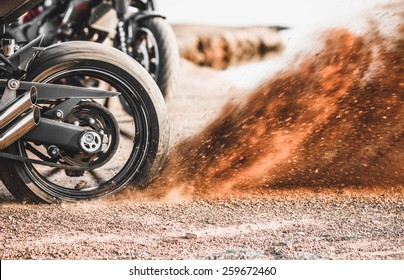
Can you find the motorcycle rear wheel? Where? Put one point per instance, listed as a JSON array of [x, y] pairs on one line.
[[142, 143]]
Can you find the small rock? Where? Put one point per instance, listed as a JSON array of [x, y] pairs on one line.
[[171, 240], [191, 235]]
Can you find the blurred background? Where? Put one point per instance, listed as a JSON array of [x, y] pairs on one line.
[[299, 22]]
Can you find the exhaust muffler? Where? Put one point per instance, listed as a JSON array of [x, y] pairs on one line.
[[19, 106], [21, 127], [14, 119]]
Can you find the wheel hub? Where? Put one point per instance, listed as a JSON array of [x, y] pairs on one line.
[[100, 142], [91, 142]]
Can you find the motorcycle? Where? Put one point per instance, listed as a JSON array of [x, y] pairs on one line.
[[135, 29], [57, 140]]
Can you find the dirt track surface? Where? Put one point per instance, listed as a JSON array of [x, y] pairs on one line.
[[296, 226], [297, 223]]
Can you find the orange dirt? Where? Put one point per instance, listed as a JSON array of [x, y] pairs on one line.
[[334, 120]]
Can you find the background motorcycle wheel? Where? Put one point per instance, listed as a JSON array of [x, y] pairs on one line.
[[155, 47], [143, 134]]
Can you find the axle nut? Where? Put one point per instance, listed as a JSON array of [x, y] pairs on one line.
[[90, 142], [13, 84]]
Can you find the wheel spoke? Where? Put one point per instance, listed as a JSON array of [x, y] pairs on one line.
[[126, 135], [96, 176], [36, 152], [51, 172], [107, 103]]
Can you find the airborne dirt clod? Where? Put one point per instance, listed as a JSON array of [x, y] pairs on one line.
[[308, 166]]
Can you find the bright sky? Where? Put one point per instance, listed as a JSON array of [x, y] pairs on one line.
[[264, 12]]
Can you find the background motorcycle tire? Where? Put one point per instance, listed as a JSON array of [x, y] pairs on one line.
[[163, 37]]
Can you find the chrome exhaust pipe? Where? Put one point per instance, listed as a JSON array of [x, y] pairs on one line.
[[19, 106], [21, 127]]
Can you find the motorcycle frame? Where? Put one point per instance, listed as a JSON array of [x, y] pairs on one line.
[[13, 87], [133, 11]]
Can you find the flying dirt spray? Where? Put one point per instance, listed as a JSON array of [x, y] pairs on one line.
[[336, 119]]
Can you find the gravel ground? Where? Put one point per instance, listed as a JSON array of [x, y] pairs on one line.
[[298, 223], [291, 226]]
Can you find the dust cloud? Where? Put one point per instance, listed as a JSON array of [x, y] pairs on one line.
[[333, 119]]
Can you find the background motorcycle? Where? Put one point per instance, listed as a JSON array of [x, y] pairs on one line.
[[135, 29], [57, 142]]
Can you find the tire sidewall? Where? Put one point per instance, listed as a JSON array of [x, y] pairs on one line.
[[85, 54]]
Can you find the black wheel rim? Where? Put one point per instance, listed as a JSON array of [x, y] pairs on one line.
[[130, 157]]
